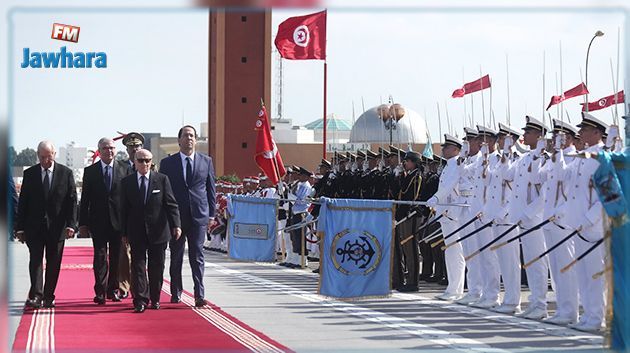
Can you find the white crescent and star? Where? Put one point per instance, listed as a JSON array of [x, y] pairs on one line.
[[301, 36]]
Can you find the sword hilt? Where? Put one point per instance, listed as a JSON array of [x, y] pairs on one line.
[[500, 245], [437, 243], [467, 258], [567, 267]]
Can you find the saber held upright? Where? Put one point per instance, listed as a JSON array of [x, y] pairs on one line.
[[492, 242], [456, 230]]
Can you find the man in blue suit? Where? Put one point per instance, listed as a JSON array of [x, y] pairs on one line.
[[192, 177]]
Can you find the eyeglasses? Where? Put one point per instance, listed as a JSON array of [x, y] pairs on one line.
[[144, 160]]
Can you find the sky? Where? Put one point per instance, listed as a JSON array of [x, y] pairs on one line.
[[156, 77]]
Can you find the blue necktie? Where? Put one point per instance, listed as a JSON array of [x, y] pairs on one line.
[[143, 188], [108, 178], [189, 172], [46, 184]]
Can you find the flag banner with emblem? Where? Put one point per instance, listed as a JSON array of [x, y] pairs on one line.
[[252, 228], [356, 256], [267, 155], [604, 102], [576, 91], [303, 37], [473, 86]]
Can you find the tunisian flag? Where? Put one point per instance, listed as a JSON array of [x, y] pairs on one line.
[[578, 90], [473, 86], [604, 102], [303, 37], [267, 156]]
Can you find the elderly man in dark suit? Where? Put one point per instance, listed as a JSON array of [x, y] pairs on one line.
[[46, 217], [192, 176], [149, 217], [99, 217]]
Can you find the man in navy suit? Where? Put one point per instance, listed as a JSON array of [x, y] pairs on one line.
[[192, 177]]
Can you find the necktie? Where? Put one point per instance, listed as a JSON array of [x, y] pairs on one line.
[[108, 178], [46, 184], [189, 172], [143, 188]]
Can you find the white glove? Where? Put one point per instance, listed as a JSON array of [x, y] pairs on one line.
[[432, 202], [613, 133], [507, 145], [463, 153], [540, 146], [560, 141]]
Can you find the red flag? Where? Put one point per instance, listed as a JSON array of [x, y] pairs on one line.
[[267, 156], [605, 102], [303, 37], [578, 90], [473, 86]]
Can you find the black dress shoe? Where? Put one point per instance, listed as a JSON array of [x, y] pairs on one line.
[[443, 281], [155, 306], [408, 288], [175, 299], [48, 303], [123, 295], [34, 303], [316, 270], [139, 308], [424, 277], [200, 302], [432, 279], [99, 299], [283, 264]]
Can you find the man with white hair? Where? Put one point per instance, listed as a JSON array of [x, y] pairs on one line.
[[46, 217]]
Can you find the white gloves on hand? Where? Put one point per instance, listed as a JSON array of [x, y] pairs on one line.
[[613, 133], [463, 153], [507, 145], [484, 149], [540, 146]]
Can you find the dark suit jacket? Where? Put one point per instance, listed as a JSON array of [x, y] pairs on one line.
[[99, 208], [60, 207], [197, 202], [148, 223]]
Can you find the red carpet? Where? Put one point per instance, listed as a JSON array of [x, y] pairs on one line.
[[76, 324]]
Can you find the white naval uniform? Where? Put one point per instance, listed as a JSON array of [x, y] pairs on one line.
[[583, 208], [526, 206], [488, 259], [453, 256], [556, 190], [497, 206], [469, 190]]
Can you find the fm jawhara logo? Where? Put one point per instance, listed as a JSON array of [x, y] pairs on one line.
[[64, 58]]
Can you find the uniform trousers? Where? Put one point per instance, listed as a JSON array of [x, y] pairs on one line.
[[470, 245], [592, 291], [566, 287], [533, 244], [455, 264], [489, 265], [509, 258]]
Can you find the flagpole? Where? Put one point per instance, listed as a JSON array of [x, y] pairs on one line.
[[275, 162], [543, 89], [325, 112], [507, 70]]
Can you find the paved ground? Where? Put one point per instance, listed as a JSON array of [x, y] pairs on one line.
[[283, 304]]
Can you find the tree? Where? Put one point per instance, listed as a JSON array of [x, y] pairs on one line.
[[26, 158]]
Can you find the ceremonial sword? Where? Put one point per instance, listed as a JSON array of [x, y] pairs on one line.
[[469, 235], [530, 230], [588, 251], [552, 248], [456, 230], [492, 242]]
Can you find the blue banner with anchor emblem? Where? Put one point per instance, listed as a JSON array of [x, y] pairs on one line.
[[252, 228], [356, 253]]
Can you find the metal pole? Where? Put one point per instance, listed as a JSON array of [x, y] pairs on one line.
[[588, 50]]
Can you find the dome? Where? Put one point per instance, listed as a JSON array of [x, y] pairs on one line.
[[370, 128]]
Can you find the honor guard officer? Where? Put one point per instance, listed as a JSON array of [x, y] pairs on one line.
[[410, 191], [487, 196], [583, 210], [500, 194], [434, 256], [448, 192], [469, 184], [556, 195], [299, 213], [525, 209]]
